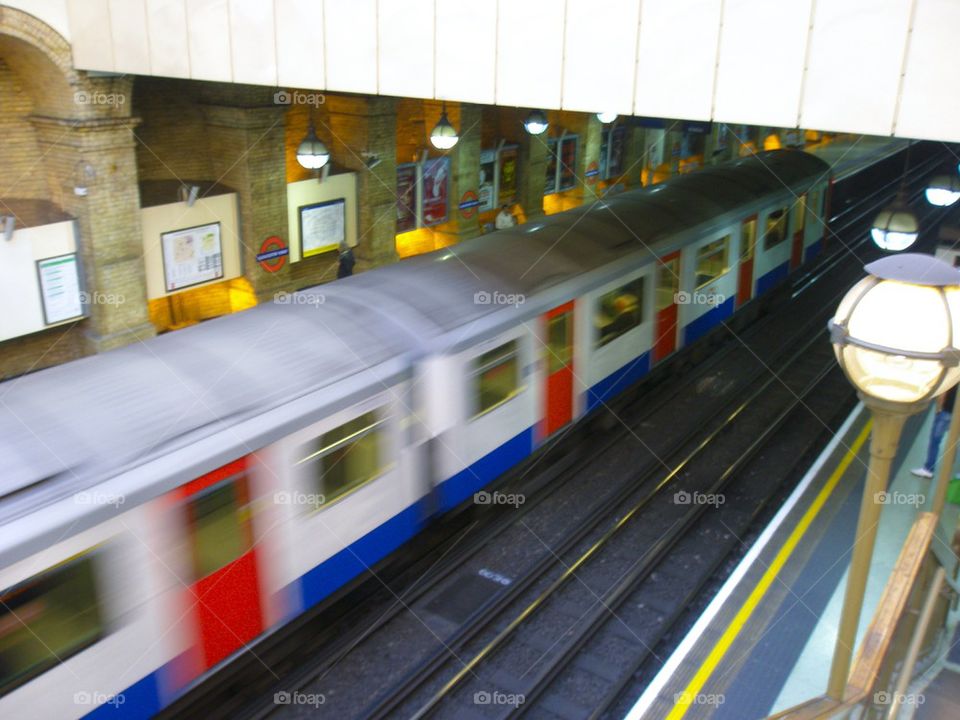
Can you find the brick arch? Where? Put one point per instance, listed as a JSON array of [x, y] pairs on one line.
[[42, 59]]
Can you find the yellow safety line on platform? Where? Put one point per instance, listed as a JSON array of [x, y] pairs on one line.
[[746, 610]]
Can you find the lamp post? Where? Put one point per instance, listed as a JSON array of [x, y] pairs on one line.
[[895, 336]]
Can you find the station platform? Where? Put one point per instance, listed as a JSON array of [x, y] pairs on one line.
[[849, 156], [765, 642]]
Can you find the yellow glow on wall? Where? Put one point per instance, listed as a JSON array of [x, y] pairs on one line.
[[416, 242], [772, 142], [203, 303]]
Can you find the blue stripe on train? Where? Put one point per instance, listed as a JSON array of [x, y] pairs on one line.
[[616, 382], [455, 490], [772, 278], [812, 251], [699, 327], [138, 702]]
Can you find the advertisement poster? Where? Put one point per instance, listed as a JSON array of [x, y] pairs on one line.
[[60, 288], [612, 148], [192, 256], [550, 184], [488, 169], [568, 162], [322, 226], [507, 189], [436, 181], [406, 197]]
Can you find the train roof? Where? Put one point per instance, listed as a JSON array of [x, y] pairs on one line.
[[68, 427]]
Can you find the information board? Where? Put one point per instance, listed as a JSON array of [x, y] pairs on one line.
[[60, 288], [322, 226], [192, 256]]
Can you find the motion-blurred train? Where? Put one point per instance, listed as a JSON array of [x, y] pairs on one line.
[[167, 504]]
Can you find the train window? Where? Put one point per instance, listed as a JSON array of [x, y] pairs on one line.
[[776, 231], [712, 261], [748, 239], [345, 458], [668, 283], [218, 523], [559, 345], [48, 619], [496, 377], [619, 311]]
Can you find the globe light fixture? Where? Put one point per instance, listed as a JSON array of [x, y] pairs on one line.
[[895, 227], [895, 335], [606, 117], [536, 123], [943, 191], [312, 153], [444, 136]]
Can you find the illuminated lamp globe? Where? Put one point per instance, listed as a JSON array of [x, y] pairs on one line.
[[895, 332], [895, 227], [943, 191], [444, 135], [312, 153], [606, 117], [536, 123]]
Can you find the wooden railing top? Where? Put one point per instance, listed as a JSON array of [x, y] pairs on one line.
[[876, 643]]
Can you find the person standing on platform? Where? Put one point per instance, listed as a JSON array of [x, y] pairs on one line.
[[505, 218], [345, 268], [941, 421]]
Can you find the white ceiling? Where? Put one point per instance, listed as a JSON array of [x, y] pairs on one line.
[[869, 66]]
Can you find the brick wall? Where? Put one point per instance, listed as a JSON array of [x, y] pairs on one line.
[[20, 153]]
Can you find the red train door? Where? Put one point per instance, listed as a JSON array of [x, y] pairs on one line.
[[559, 357], [668, 287], [748, 246], [225, 589], [799, 223]]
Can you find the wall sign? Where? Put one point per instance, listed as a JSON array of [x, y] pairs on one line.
[[60, 288], [322, 226], [192, 256], [593, 172], [273, 254], [469, 204]]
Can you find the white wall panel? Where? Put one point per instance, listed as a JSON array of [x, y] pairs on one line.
[[530, 52], [406, 47], [128, 29], [208, 28], [253, 42], [678, 49], [930, 106], [600, 55], [53, 12], [350, 32], [853, 71], [466, 50], [762, 49], [169, 50], [299, 36], [90, 31]]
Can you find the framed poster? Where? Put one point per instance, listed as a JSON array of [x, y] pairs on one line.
[[322, 226], [568, 162], [191, 256], [436, 185], [406, 197], [612, 145], [60, 288], [550, 181], [507, 181], [487, 182]]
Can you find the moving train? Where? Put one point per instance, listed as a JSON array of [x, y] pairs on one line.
[[166, 504]]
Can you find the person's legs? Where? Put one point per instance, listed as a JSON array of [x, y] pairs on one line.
[[941, 421]]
